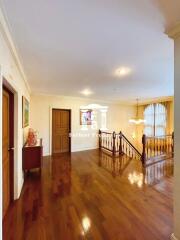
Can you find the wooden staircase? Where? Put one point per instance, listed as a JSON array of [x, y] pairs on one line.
[[154, 149]]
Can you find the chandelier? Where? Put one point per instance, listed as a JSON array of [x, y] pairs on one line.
[[136, 120]]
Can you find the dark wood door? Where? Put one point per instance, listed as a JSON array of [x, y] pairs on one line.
[[60, 131], [5, 153]]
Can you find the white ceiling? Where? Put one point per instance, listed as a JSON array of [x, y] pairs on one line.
[[67, 46]]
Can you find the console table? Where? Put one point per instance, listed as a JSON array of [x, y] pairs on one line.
[[32, 156]]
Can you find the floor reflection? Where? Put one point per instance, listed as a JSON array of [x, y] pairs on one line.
[[115, 166], [61, 174], [155, 172], [87, 195], [136, 178], [124, 166]]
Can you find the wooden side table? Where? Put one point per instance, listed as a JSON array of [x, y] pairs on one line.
[[32, 156]]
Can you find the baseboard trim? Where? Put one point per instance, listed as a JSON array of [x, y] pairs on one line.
[[84, 149], [173, 237], [46, 154]]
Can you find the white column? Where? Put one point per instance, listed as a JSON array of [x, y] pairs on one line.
[[103, 119], [175, 34]]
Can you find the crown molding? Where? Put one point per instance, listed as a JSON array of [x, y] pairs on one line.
[[5, 31], [67, 97], [173, 237], [174, 32]]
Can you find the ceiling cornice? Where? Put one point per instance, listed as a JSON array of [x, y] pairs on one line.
[[4, 29], [98, 100], [174, 32]]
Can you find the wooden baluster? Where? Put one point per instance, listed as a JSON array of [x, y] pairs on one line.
[[107, 141], [110, 142], [126, 149], [157, 145], [117, 147], [114, 142], [120, 144], [168, 145], [143, 159], [166, 139], [150, 147], [172, 145], [160, 146], [147, 148], [100, 136], [165, 145]]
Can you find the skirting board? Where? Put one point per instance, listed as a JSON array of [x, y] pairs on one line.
[[173, 237], [45, 154]]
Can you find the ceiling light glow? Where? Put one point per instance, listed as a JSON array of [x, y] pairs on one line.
[[122, 71], [86, 92]]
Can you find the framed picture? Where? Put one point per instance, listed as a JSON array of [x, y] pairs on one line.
[[85, 117], [25, 112]]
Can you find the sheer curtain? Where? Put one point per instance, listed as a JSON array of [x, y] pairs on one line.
[[149, 120], [155, 116], [160, 119]]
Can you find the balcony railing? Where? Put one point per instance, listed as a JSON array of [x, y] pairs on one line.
[[153, 148], [157, 148]]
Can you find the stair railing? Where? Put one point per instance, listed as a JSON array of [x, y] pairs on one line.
[[158, 147], [153, 148], [117, 144]]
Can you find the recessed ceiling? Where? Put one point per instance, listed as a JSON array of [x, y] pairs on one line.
[[67, 46]]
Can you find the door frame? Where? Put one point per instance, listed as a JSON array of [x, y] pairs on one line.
[[11, 139], [51, 127]]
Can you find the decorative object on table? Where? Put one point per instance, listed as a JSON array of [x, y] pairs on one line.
[[85, 117], [25, 112], [32, 137]]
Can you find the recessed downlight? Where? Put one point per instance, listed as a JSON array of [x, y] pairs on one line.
[[86, 92]]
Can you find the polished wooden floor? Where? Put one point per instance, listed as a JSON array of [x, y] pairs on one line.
[[87, 195]]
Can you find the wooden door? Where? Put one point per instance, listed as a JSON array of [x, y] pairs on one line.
[[60, 131], [5, 153]]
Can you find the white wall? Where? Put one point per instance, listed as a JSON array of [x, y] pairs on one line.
[[177, 140], [0, 156], [41, 109], [10, 69]]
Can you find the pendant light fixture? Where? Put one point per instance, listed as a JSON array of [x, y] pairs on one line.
[[136, 120]]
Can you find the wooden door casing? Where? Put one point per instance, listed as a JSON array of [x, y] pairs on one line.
[[5, 153], [60, 130]]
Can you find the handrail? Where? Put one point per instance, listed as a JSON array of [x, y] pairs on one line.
[[157, 147], [160, 136], [153, 148], [132, 145], [106, 132], [117, 143]]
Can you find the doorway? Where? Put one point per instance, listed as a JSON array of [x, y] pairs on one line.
[[7, 148], [61, 128]]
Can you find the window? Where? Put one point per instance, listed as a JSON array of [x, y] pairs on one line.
[[155, 116]]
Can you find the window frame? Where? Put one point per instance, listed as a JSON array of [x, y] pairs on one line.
[[154, 119]]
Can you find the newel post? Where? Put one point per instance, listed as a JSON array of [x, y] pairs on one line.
[[120, 143], [114, 143], [144, 149], [173, 144], [100, 139]]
